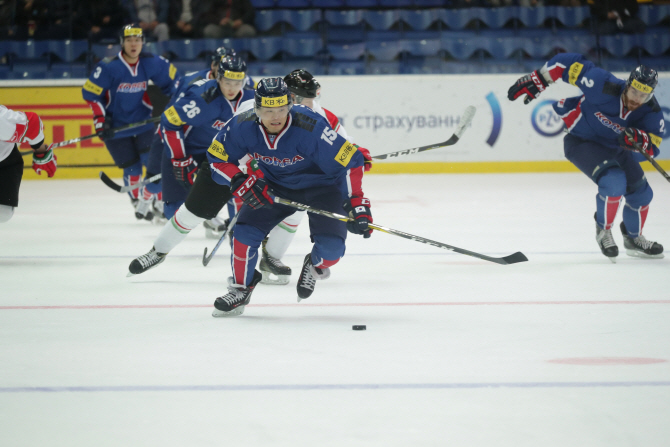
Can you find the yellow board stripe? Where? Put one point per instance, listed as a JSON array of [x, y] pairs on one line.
[[386, 168], [575, 70], [91, 87]]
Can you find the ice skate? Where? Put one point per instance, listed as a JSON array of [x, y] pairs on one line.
[[215, 227], [308, 277], [274, 271], [143, 210], [606, 242], [145, 262], [640, 247], [233, 303], [158, 208]]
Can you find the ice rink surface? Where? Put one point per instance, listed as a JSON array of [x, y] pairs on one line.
[[567, 349]]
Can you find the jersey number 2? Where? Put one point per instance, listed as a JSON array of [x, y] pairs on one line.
[[190, 109]]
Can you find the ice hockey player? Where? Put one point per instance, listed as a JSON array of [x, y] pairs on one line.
[[116, 91], [305, 90], [302, 159], [189, 126], [605, 125], [153, 191], [16, 128]]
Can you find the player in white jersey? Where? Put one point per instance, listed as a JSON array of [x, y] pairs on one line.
[[305, 90], [16, 128]]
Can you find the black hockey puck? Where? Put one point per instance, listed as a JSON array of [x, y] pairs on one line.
[[358, 327]]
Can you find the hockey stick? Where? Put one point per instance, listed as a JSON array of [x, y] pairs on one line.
[[231, 224], [649, 158], [88, 137], [511, 259], [118, 188], [466, 119]]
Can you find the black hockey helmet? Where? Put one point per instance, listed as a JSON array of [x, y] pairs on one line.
[[222, 52], [272, 92], [132, 29], [232, 67], [301, 83], [643, 79]]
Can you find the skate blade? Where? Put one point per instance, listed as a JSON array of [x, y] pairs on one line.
[[612, 259], [233, 313], [275, 280], [637, 254], [129, 274]]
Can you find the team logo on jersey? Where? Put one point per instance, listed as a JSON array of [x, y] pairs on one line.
[[281, 162], [545, 121], [575, 70], [347, 151], [173, 117], [217, 150], [609, 123], [91, 87], [134, 87], [218, 124]]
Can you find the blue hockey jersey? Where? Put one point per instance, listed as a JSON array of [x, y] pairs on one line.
[[200, 111], [306, 153], [118, 91], [599, 114]]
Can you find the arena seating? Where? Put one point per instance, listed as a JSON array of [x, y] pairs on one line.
[[378, 37]]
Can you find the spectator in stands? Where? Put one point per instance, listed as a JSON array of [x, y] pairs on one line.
[[616, 16], [101, 19], [180, 19], [31, 19], [7, 20], [152, 16], [226, 18], [62, 17]]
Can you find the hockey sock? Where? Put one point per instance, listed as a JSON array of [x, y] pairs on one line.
[[176, 230], [282, 235], [634, 219], [246, 241], [131, 176], [606, 210], [327, 250]]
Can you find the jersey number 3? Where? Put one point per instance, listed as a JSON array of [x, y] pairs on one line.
[[190, 109]]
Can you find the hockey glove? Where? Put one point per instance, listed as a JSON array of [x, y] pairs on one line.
[[184, 171], [631, 138], [366, 155], [253, 190], [45, 161], [531, 85], [359, 210], [103, 128]]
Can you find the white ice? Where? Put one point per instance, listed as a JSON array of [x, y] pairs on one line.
[[457, 351]]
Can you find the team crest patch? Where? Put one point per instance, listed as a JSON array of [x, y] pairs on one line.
[[217, 150], [347, 151]]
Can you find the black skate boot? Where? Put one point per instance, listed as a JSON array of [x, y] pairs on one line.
[[640, 247], [606, 242], [233, 303], [145, 262], [274, 271], [308, 277]]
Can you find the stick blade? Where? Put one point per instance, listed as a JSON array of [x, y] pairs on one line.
[[514, 258], [205, 261], [109, 182]]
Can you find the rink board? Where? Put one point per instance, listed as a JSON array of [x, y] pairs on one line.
[[382, 113]]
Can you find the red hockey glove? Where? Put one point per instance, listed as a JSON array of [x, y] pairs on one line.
[[366, 155], [631, 137], [359, 210], [531, 85], [102, 128], [184, 171], [45, 161], [253, 190]]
